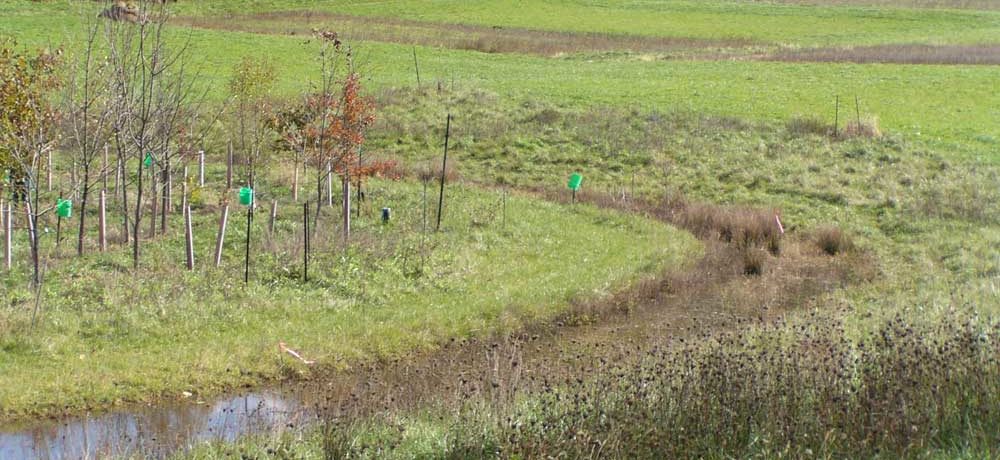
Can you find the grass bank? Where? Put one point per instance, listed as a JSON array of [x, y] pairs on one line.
[[106, 336]]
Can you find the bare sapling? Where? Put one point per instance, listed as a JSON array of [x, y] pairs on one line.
[[152, 90]]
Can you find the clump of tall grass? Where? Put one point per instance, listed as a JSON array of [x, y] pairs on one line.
[[867, 127], [832, 240], [743, 227], [808, 125]]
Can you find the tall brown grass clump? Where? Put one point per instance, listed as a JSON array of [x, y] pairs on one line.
[[808, 125], [832, 240], [868, 128], [743, 227]]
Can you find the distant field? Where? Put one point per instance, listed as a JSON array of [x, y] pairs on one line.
[[786, 24], [952, 106]]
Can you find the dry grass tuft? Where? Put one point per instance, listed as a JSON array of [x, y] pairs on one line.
[[753, 261], [867, 128], [743, 227], [808, 125], [832, 240]]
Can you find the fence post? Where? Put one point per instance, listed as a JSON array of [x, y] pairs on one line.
[[274, 216], [102, 216], [201, 168], [222, 234], [188, 237], [8, 230]]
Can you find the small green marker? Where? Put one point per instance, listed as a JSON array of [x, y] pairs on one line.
[[148, 161], [246, 196], [64, 208], [575, 180]]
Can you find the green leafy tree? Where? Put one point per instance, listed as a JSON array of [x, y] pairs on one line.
[[27, 126]]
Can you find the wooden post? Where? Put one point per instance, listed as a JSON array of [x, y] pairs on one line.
[[59, 222], [503, 223], [229, 167], [188, 237], [274, 216], [305, 240], [246, 259], [444, 169], [8, 226], [48, 171], [154, 196], [104, 170], [32, 234], [222, 234], [346, 188], [416, 66], [329, 184], [201, 168], [184, 194], [857, 109], [102, 224], [119, 173], [295, 182]]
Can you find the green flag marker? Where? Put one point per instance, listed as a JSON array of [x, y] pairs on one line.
[[148, 161], [246, 196], [575, 181], [64, 208]]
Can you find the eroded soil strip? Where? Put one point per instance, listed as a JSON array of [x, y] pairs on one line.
[[553, 43], [485, 39]]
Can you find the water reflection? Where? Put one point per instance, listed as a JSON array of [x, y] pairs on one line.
[[155, 432]]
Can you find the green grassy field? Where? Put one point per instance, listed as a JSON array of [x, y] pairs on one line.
[[953, 107]]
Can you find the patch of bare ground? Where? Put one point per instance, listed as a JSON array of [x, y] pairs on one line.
[[982, 54], [484, 39], [684, 303]]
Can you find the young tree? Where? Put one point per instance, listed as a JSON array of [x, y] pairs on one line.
[[27, 125], [337, 118], [250, 87], [151, 90], [88, 112]]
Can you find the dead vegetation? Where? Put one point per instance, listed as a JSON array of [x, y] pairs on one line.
[[484, 39], [979, 54]]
